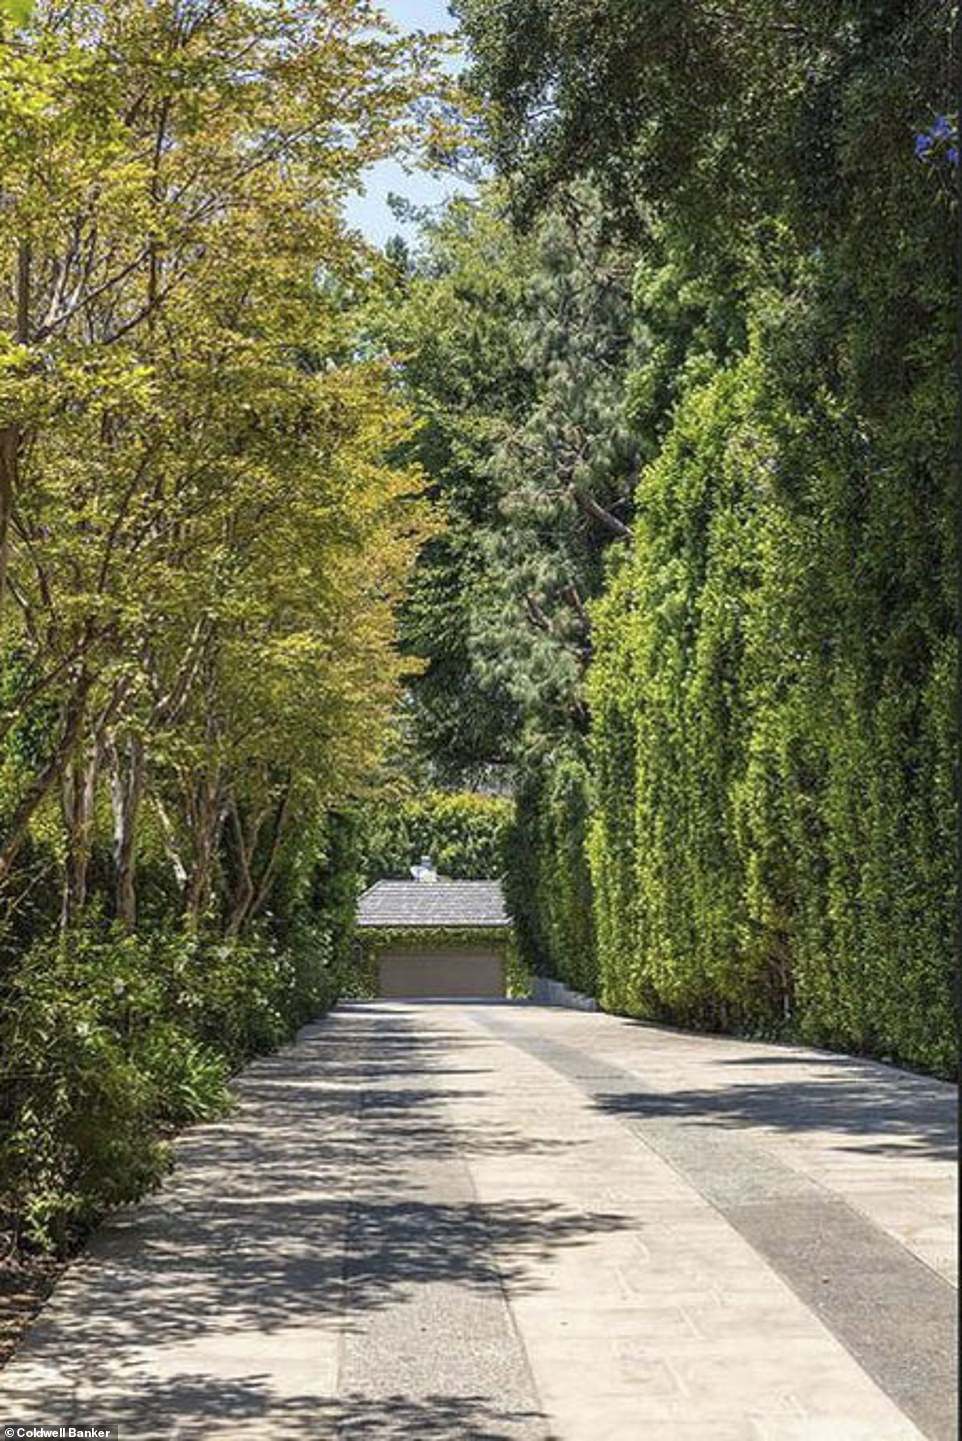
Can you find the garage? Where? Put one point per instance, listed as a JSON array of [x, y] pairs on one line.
[[439, 973], [432, 938]]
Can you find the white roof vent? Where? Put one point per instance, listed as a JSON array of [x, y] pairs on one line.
[[424, 871]]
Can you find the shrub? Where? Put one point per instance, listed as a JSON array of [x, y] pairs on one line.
[[108, 1042]]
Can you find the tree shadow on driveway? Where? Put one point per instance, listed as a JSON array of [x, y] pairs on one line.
[[338, 1189], [885, 1113], [249, 1409]]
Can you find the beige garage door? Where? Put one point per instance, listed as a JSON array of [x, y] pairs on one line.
[[441, 973]]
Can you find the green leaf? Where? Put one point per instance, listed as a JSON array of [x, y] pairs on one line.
[[19, 11]]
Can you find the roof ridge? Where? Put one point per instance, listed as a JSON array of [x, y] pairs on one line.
[[441, 881], [450, 903]]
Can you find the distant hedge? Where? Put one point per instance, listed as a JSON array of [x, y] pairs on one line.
[[463, 832], [548, 884]]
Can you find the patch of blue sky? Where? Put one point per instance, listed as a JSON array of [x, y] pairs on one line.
[[370, 212]]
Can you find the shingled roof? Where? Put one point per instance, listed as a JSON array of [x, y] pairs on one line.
[[432, 903]]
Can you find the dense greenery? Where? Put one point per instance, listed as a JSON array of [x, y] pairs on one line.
[[463, 833], [629, 488], [451, 322], [811, 879], [713, 565], [548, 884], [108, 1043], [207, 521]]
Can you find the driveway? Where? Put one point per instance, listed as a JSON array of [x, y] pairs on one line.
[[487, 1222]]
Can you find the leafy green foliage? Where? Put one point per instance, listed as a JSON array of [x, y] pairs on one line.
[[105, 1043], [772, 843], [19, 11], [208, 516], [519, 352], [548, 887], [451, 325], [770, 773], [462, 832], [563, 472]]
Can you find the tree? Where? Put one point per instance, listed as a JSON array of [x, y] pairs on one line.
[[514, 352], [563, 472], [451, 327], [184, 394], [772, 677]]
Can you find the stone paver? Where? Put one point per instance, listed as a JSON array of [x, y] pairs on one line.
[[894, 1313], [482, 1223]]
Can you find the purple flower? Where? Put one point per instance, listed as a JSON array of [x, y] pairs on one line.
[[923, 144], [941, 130], [952, 155]]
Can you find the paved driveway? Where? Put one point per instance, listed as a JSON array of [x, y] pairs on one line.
[[489, 1222]]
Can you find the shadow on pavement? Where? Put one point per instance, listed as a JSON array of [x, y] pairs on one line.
[[889, 1114], [315, 1199], [250, 1407]]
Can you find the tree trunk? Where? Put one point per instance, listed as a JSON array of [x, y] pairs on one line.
[[79, 794], [10, 436], [170, 843], [126, 793], [274, 852], [9, 462], [49, 773], [245, 839], [205, 818]]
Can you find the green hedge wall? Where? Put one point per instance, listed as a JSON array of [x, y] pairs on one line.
[[773, 838], [548, 889], [611, 834], [462, 832]]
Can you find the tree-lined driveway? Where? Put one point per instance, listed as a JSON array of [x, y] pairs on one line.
[[506, 1221]]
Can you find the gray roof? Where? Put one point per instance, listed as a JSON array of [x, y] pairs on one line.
[[432, 903]]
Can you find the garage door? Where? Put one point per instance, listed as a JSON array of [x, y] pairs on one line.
[[441, 973]]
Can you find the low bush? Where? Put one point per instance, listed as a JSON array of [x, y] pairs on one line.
[[108, 1043]]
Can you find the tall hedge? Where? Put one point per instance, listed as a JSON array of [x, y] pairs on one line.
[[772, 719], [548, 887]]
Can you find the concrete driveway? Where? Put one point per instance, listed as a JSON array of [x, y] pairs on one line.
[[487, 1222]]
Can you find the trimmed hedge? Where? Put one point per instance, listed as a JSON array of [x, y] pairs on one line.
[[548, 889], [463, 832], [773, 740]]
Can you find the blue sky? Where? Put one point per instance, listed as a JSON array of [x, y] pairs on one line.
[[370, 212]]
